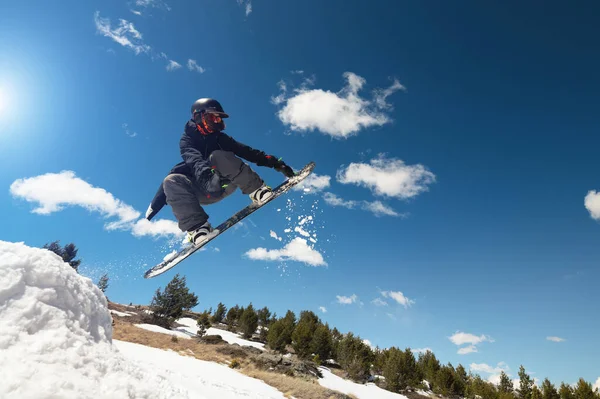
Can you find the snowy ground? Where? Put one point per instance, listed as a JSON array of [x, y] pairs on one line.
[[366, 391], [56, 342], [233, 338], [200, 379]]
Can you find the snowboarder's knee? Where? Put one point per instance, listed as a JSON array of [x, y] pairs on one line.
[[218, 156], [175, 179]]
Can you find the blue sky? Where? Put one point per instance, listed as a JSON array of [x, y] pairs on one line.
[[454, 205]]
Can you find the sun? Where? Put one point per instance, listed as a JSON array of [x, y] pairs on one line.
[[3, 100]]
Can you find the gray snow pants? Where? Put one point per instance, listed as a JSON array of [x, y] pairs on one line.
[[186, 196]]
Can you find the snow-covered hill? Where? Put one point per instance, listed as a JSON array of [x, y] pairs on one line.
[[56, 342]]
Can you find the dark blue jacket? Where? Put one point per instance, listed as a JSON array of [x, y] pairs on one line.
[[195, 150]]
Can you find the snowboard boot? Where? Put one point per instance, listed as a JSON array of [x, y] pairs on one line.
[[200, 234], [261, 195]]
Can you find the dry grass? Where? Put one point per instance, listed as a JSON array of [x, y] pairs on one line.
[[293, 386], [301, 388]]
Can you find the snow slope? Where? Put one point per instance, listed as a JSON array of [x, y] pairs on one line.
[[205, 379], [366, 391], [55, 342]]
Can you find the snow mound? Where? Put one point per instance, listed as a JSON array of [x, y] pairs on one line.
[[55, 334]]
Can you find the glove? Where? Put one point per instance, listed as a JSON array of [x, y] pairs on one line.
[[212, 185], [286, 170]]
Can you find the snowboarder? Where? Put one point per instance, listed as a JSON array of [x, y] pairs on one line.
[[210, 171]]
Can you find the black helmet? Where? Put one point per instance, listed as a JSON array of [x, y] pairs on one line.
[[208, 105]]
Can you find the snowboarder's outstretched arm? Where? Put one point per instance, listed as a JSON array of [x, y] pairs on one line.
[[250, 154]]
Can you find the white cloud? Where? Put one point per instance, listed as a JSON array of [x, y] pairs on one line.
[[136, 12], [334, 200], [388, 177], [156, 228], [152, 3], [125, 34], [313, 184], [379, 209], [128, 132], [398, 297], [467, 349], [296, 250], [323, 309], [247, 4], [597, 384], [421, 350], [369, 344], [487, 369], [340, 114], [194, 67], [592, 204], [346, 300], [274, 235], [379, 302], [471, 340], [461, 338], [555, 339], [173, 65], [376, 207], [55, 191]]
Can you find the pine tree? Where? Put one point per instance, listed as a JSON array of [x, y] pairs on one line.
[[410, 369], [219, 314], [355, 357], [264, 319], [549, 391], [167, 306], [525, 384], [584, 390], [203, 323], [248, 321], [445, 380], [233, 314], [392, 369], [506, 384], [321, 342], [280, 332], [429, 366], [303, 334], [462, 379], [536, 393], [566, 392], [103, 283], [68, 253]]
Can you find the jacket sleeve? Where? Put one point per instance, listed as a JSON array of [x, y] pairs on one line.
[[193, 157], [242, 150], [158, 202]]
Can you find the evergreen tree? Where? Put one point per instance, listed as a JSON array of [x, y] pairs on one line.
[[355, 357], [536, 393], [248, 321], [167, 306], [68, 253], [392, 369], [584, 390], [429, 366], [203, 323], [103, 283], [280, 332], [461, 380], [478, 388], [264, 319], [549, 391], [233, 314], [411, 371], [219, 314], [303, 334], [445, 382], [525, 384], [566, 392], [321, 342], [506, 384]]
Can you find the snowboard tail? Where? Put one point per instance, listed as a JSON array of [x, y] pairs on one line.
[[173, 260]]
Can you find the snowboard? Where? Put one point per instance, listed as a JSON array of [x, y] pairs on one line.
[[174, 259]]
